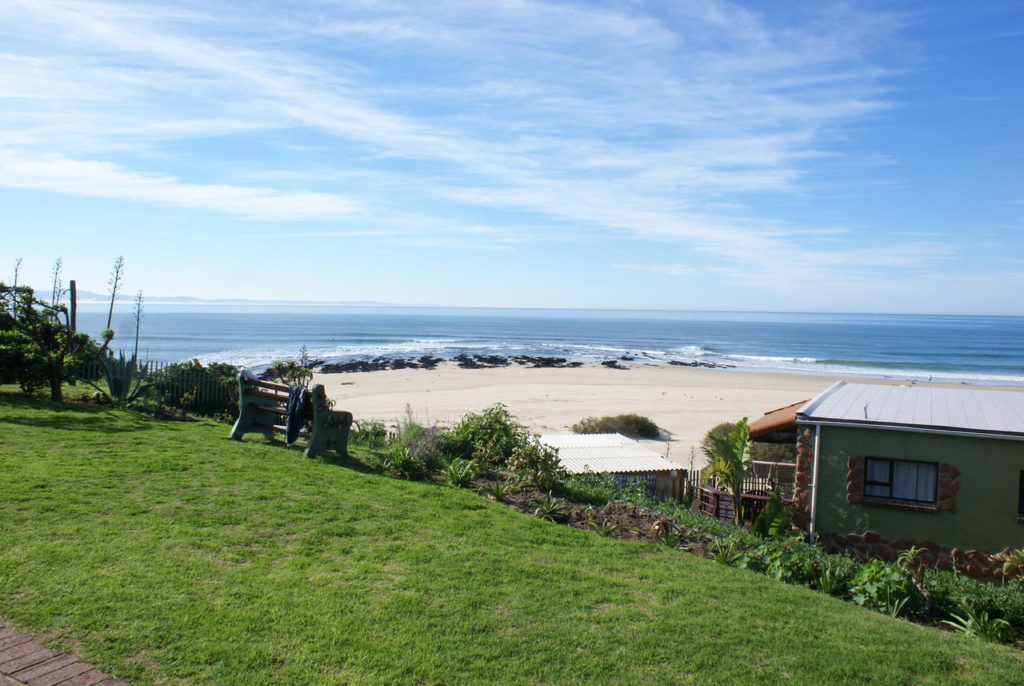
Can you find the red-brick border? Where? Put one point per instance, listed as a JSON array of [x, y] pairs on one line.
[[25, 662]]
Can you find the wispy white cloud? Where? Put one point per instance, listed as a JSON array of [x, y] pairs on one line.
[[624, 120], [106, 180]]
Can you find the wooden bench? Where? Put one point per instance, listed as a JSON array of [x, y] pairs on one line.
[[263, 408]]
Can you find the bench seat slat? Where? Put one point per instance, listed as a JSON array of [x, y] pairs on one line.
[[264, 395]]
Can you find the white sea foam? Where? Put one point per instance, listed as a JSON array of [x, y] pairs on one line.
[[448, 348]]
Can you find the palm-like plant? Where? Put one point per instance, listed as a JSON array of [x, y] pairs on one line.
[[728, 463]]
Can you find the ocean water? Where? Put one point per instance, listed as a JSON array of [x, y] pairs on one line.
[[985, 350]]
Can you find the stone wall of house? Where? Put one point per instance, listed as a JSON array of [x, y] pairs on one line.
[[803, 477], [975, 563]]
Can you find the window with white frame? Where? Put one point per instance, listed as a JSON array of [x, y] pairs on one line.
[[902, 480]]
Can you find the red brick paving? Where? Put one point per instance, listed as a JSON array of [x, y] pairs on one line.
[[24, 662]]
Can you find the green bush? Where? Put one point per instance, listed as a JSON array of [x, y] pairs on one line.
[[290, 372], [596, 488], [951, 590], [196, 388], [776, 519], [491, 437], [632, 425], [369, 433], [416, 453], [38, 349], [793, 562], [881, 586], [539, 464]]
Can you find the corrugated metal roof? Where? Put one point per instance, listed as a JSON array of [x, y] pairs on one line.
[[613, 453], [957, 409]]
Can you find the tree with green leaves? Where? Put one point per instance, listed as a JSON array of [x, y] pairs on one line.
[[728, 456], [37, 346]]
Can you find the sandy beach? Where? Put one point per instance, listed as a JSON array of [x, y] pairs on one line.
[[685, 402]]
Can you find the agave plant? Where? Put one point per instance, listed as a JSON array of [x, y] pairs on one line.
[[605, 527], [551, 508], [125, 378], [500, 490]]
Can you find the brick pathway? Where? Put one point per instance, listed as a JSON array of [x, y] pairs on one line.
[[23, 662]]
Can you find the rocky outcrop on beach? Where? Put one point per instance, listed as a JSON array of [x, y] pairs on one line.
[[467, 361], [702, 365], [536, 362], [378, 364]]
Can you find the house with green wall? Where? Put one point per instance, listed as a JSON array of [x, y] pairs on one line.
[[881, 468]]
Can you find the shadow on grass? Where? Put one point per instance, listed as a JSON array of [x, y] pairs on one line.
[[347, 461], [328, 456], [68, 416]]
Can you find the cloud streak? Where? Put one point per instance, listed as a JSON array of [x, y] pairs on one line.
[[89, 178], [638, 121]]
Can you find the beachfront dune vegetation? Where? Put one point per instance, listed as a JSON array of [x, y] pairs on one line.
[[163, 552], [631, 425]]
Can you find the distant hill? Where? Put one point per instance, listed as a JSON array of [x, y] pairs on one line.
[[94, 297]]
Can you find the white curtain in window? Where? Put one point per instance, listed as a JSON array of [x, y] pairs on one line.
[[913, 480]]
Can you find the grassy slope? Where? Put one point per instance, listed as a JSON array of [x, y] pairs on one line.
[[166, 554]]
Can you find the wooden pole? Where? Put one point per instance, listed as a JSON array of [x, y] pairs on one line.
[[74, 306]]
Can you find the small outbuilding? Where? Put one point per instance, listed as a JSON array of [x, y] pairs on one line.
[[616, 454], [881, 468]]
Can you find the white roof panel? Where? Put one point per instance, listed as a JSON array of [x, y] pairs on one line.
[[613, 453], [959, 409]]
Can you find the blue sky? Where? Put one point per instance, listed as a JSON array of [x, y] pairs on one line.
[[804, 156]]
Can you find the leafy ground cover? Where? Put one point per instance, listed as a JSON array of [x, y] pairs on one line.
[[165, 553]]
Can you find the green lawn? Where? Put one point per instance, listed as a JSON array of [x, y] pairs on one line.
[[165, 553]]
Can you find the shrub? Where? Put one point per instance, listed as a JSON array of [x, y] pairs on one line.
[[881, 586], [979, 624], [459, 473], [596, 488], [790, 561], [416, 454], [950, 590], [197, 388], [491, 437], [539, 465], [290, 372], [38, 349], [632, 425], [369, 433], [775, 519]]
